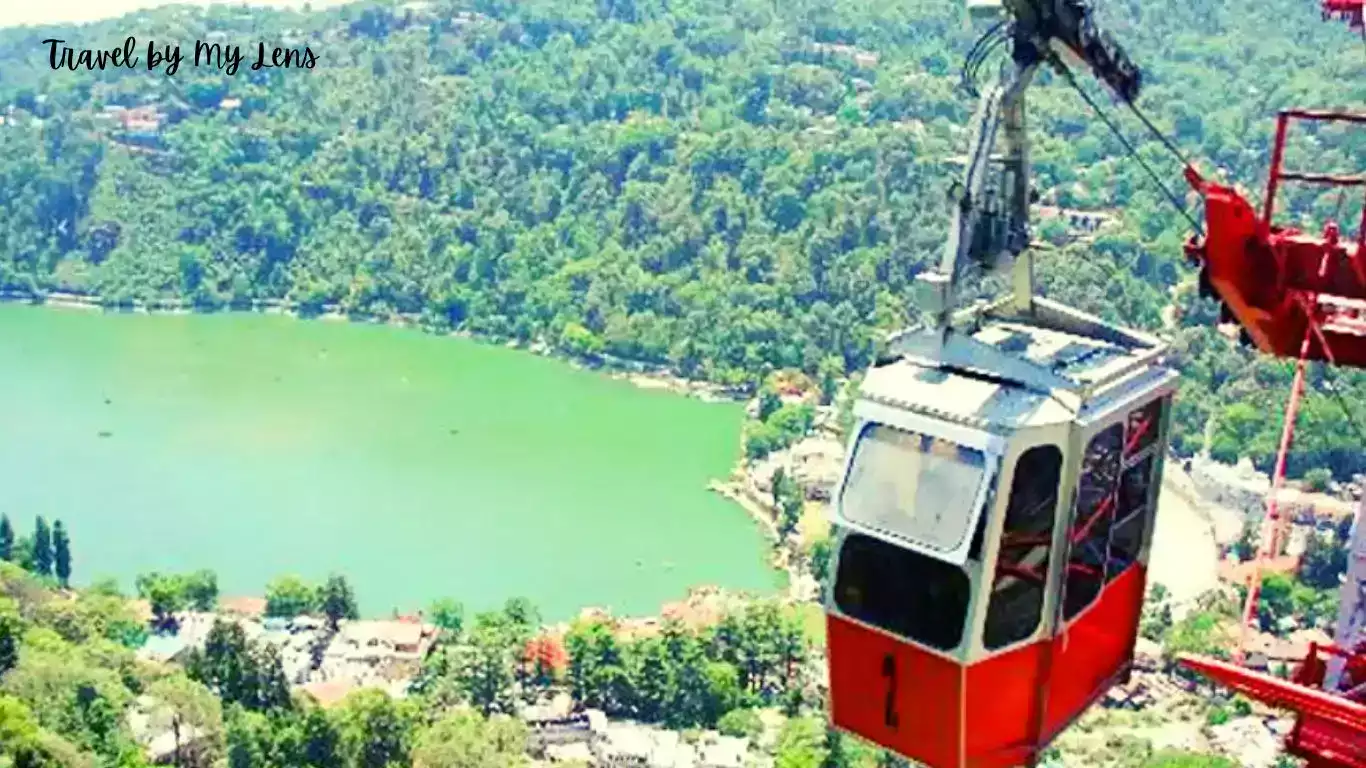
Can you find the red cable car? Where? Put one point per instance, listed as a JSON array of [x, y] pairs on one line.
[[993, 521], [992, 533]]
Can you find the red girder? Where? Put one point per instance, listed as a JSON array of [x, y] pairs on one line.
[[1080, 532], [1139, 430], [1303, 297], [1279, 283], [1331, 729]]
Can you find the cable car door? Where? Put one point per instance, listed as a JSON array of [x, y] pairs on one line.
[[900, 602]]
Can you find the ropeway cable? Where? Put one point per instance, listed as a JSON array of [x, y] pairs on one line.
[[1159, 135], [1332, 387], [1114, 129]]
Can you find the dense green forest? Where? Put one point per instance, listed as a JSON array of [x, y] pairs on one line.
[[725, 187]]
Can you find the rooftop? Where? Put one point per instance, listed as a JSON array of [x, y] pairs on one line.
[[1238, 573], [162, 647], [243, 606], [394, 633], [329, 693]]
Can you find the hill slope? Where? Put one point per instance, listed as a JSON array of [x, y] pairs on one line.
[[722, 186]]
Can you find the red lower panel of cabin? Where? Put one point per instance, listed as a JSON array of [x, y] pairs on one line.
[[912, 704], [944, 714]]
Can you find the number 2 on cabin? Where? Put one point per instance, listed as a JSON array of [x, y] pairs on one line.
[[889, 672]]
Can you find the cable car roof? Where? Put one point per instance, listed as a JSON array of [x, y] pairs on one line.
[[1007, 373], [959, 397]]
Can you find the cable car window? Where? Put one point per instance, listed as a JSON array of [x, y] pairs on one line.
[[902, 591], [1127, 539], [1144, 425], [1092, 519], [1133, 488], [1016, 604], [914, 486]]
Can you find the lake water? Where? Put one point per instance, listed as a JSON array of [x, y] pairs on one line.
[[420, 466]]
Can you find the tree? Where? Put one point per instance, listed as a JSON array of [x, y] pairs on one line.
[[1342, 532], [743, 723], [6, 539], [1318, 479], [1274, 601], [104, 587], [789, 499], [1156, 620], [780, 482], [547, 659], [165, 593], [61, 553], [321, 739], [790, 515], [272, 686], [597, 672], [240, 672], [375, 730], [821, 551], [25, 744], [288, 596], [42, 548], [1324, 561], [761, 439], [484, 664], [193, 715], [1249, 542], [248, 739], [11, 629], [1197, 633], [847, 752], [523, 614], [830, 371], [201, 590], [801, 744], [448, 614], [769, 403], [463, 739], [337, 601]]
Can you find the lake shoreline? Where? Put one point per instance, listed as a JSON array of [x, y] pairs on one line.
[[640, 374]]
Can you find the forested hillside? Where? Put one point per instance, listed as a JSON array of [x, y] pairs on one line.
[[723, 186]]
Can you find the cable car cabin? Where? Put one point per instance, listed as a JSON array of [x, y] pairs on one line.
[[992, 531]]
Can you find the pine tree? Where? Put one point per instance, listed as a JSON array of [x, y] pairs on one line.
[[61, 552], [6, 539], [42, 548], [337, 601], [11, 627]]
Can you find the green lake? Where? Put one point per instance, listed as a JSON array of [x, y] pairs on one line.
[[420, 466]]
